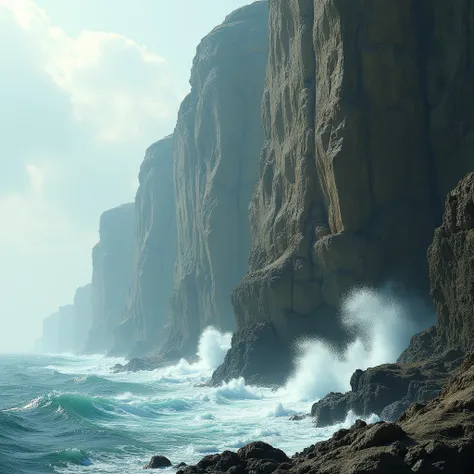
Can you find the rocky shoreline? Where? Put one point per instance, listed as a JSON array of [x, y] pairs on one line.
[[431, 437]]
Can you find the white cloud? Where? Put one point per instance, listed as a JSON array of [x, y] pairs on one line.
[[77, 115], [114, 84]]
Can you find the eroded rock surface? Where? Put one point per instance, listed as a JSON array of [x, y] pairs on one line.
[[451, 265], [217, 144], [155, 242], [387, 390], [112, 265], [363, 139]]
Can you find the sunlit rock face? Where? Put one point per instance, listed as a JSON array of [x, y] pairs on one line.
[[155, 242], [368, 123], [112, 268], [217, 143]]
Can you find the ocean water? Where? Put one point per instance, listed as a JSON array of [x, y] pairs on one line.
[[71, 414]]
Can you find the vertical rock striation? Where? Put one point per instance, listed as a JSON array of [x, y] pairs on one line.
[[155, 242], [452, 271], [367, 125], [217, 142], [112, 266]]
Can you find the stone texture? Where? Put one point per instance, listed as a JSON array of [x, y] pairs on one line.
[[158, 462], [359, 98], [434, 437], [112, 265], [387, 390], [217, 143], [155, 242], [451, 266]]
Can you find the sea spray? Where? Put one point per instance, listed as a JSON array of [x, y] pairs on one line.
[[212, 348], [382, 327]]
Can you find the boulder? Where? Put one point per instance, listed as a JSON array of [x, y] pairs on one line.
[[158, 462]]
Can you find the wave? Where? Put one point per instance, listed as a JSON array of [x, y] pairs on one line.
[[236, 389], [383, 326], [68, 456]]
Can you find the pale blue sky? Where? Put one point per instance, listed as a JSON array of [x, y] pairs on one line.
[[85, 87]]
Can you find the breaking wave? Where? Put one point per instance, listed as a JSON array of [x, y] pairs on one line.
[[383, 326]]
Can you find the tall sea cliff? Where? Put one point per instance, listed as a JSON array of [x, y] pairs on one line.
[[366, 129]]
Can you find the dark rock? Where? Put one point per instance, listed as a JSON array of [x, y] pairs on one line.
[[387, 390], [180, 465], [297, 417], [379, 435], [425, 440], [158, 462], [252, 352], [261, 450], [450, 258]]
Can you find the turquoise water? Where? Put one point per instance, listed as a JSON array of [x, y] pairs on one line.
[[68, 414]]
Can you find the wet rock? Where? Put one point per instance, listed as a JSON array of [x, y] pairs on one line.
[[158, 462], [261, 450]]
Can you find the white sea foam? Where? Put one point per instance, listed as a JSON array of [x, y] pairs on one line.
[[236, 389], [384, 329]]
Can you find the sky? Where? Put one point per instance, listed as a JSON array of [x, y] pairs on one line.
[[85, 87]]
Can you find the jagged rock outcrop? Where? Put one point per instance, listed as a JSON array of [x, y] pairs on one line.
[[112, 268], [367, 126], [155, 241], [433, 354], [387, 390], [217, 143], [432, 437], [451, 258], [67, 329]]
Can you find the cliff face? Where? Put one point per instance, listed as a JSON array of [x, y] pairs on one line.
[[451, 269], [82, 317], [367, 126], [58, 330], [112, 266], [67, 329], [216, 147], [432, 355], [155, 241]]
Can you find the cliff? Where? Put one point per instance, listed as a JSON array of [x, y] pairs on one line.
[[112, 265], [367, 126], [58, 330], [216, 147], [155, 242], [68, 328], [432, 355]]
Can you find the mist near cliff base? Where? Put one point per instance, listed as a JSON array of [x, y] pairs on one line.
[[383, 323]]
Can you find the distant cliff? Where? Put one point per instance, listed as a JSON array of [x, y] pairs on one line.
[[67, 329], [368, 123], [112, 265], [155, 241], [216, 149]]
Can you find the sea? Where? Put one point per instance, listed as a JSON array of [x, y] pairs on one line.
[[63, 413]]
